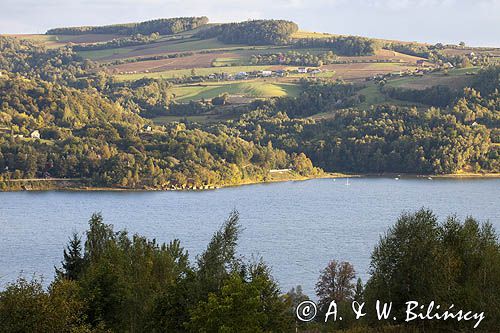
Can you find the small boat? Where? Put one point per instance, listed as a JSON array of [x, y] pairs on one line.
[[397, 178], [347, 182], [430, 178]]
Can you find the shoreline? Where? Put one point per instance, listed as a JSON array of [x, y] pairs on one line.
[[68, 184]]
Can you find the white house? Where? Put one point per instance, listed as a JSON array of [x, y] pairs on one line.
[[302, 70], [35, 134]]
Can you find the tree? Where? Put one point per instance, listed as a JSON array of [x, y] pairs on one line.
[[99, 236], [26, 307], [359, 291], [219, 258], [247, 302], [335, 283], [23, 307], [221, 99], [405, 264], [295, 296], [450, 263], [73, 262]]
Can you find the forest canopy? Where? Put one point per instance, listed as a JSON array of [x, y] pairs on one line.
[[258, 32], [341, 45], [166, 26]]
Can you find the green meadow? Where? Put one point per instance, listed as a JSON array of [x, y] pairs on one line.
[[251, 89]]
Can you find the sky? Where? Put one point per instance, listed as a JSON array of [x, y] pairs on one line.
[[476, 22]]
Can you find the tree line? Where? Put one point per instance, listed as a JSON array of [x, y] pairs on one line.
[[441, 96], [167, 26], [133, 40], [111, 281], [257, 32], [341, 45], [294, 58]]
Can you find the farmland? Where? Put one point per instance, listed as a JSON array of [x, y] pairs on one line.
[[252, 89], [202, 69], [456, 79]]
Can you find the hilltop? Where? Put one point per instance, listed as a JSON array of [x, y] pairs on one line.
[[205, 60]]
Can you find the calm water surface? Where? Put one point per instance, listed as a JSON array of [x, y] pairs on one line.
[[297, 227]]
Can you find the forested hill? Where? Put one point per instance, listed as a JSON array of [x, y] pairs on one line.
[[162, 26], [63, 115], [94, 132], [60, 65], [258, 32]]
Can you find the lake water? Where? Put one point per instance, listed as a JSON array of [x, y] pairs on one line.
[[297, 227]]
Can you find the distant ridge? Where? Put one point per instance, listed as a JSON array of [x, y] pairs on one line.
[[167, 26]]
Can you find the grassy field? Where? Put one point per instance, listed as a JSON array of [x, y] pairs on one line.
[[230, 61], [250, 89], [310, 34], [360, 71], [46, 40], [165, 46], [455, 79]]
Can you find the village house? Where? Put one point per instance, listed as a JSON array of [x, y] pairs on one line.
[[266, 73], [302, 70], [35, 134], [420, 62]]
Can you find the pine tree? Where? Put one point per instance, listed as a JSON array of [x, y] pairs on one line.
[[359, 291], [73, 262]]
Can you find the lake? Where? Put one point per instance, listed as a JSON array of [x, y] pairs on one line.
[[297, 227]]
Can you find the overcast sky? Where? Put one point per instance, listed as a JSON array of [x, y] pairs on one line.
[[477, 22]]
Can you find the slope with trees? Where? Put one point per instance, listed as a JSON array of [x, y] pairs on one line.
[[167, 26], [258, 32]]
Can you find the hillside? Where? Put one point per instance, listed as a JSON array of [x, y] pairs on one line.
[[196, 53], [196, 104]]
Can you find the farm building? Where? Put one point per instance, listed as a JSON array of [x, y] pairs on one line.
[[302, 70], [267, 73]]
